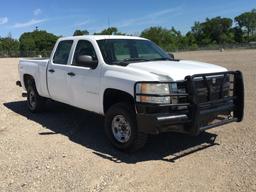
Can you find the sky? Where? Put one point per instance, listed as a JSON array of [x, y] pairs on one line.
[[130, 16]]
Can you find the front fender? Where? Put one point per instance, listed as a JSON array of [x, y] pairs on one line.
[[123, 79]]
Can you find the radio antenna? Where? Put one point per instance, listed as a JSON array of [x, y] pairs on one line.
[[108, 22]]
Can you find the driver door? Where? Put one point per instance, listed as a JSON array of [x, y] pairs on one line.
[[84, 82]]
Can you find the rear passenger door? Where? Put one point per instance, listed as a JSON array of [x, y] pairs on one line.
[[57, 72]]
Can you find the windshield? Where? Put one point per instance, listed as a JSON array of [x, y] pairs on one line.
[[126, 51]]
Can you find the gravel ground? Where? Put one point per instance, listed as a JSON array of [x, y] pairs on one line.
[[64, 149]]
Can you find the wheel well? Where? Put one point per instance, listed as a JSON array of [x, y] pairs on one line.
[[113, 96], [27, 77]]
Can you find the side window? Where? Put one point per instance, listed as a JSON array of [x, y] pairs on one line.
[[84, 48], [62, 52]]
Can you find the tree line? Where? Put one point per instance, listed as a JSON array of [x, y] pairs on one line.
[[214, 32]]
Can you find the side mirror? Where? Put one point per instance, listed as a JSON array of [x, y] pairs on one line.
[[171, 55], [87, 61]]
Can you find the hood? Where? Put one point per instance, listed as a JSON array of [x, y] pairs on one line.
[[176, 70]]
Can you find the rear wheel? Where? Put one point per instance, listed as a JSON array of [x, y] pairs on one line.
[[121, 128], [35, 102]]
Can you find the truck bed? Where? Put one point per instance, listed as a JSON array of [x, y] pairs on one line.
[[37, 68]]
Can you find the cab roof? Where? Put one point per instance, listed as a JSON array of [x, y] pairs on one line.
[[101, 37]]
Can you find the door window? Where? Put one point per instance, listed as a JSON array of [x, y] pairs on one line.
[[62, 52], [84, 48]]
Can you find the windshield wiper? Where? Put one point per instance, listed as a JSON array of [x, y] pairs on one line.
[[121, 63], [135, 59], [162, 59], [127, 61]]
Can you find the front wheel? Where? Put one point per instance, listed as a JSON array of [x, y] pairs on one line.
[[121, 128]]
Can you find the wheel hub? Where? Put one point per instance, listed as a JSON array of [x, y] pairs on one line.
[[121, 129]]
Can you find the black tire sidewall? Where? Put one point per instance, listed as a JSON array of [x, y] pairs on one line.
[[129, 114], [31, 87]]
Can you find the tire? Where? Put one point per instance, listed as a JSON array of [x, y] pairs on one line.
[[123, 115], [35, 102]]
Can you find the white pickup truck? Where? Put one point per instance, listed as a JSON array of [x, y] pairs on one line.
[[139, 88]]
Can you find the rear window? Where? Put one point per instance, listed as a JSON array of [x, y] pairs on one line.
[[62, 52]]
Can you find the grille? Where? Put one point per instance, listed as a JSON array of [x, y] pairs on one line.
[[213, 88]]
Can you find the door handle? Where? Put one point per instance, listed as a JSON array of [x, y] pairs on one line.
[[51, 70], [71, 74]]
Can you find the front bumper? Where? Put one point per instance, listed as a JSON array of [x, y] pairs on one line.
[[194, 116]]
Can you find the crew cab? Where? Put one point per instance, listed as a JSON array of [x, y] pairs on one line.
[[138, 87]]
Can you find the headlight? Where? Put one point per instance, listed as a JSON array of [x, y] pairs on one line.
[[153, 89]]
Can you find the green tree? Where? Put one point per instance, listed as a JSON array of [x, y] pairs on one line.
[[247, 23], [37, 42], [197, 31], [9, 46], [168, 39], [189, 41], [213, 31], [79, 32], [110, 31], [238, 34]]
